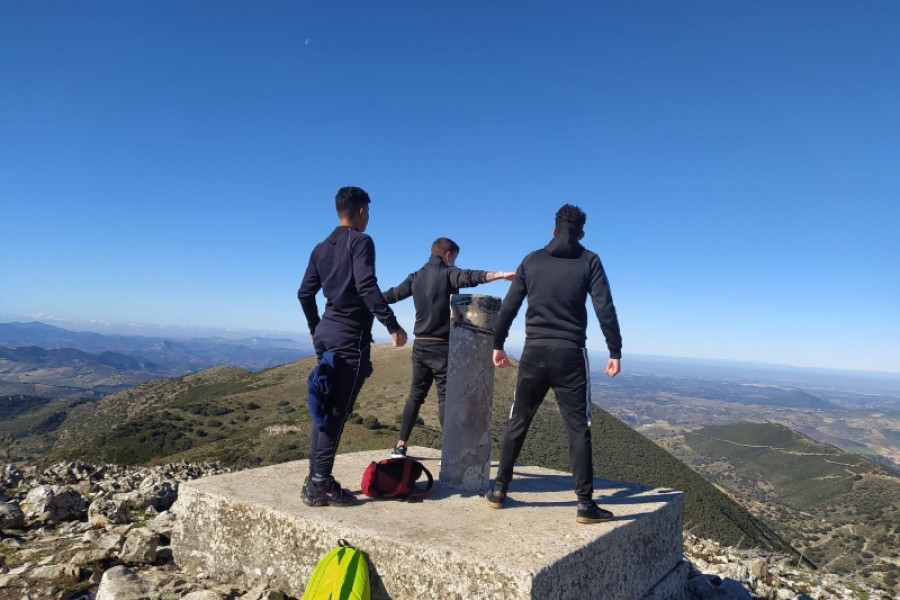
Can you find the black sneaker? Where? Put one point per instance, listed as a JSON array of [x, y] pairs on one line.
[[591, 513], [398, 451], [496, 497], [325, 492]]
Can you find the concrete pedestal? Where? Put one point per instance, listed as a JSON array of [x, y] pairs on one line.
[[251, 527]]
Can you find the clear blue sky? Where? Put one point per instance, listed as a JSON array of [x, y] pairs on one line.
[[174, 162]]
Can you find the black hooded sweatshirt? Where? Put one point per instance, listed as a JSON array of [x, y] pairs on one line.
[[556, 280]]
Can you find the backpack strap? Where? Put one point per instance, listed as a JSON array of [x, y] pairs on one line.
[[397, 491], [421, 494]]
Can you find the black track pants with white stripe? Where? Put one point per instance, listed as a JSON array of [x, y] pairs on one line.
[[567, 372]]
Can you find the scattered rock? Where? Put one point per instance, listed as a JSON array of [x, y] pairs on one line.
[[119, 583], [105, 510], [76, 528], [54, 503], [140, 547], [11, 516]]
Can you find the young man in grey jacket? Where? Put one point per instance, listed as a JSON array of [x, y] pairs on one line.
[[556, 280]]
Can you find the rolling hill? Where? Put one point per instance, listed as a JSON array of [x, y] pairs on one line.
[[255, 418], [841, 509]]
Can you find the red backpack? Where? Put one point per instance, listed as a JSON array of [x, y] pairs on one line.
[[395, 478]]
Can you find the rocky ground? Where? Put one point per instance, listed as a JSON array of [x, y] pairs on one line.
[[83, 532]]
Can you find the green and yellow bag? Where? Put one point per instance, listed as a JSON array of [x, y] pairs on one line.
[[342, 574]]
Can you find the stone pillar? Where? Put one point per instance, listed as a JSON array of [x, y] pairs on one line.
[[466, 452]]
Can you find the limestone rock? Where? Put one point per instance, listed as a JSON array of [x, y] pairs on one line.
[[119, 583], [263, 592], [111, 542], [155, 493], [54, 502], [105, 510], [204, 595], [68, 573], [162, 524], [140, 547], [759, 569], [11, 516], [41, 545]]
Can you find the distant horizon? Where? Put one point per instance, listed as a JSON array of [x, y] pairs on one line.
[[183, 332]]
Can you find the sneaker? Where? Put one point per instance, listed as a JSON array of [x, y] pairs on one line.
[[496, 497], [591, 513], [326, 492], [398, 451]]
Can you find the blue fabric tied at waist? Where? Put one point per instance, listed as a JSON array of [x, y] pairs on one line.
[[320, 385]]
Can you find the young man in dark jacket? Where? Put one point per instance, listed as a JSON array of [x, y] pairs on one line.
[[343, 267], [556, 280], [431, 288]]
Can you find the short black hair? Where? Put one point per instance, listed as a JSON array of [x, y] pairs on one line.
[[442, 245], [571, 216], [349, 200]]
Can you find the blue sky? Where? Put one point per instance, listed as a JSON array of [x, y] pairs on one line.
[[174, 163]]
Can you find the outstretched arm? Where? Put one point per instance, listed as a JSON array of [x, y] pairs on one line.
[[400, 292], [495, 275], [463, 278]]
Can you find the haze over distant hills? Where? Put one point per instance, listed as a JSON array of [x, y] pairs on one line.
[[171, 346], [41, 359], [867, 382]]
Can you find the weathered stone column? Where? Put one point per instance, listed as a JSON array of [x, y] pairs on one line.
[[466, 452]]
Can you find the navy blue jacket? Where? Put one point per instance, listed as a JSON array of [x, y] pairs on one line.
[[319, 386], [557, 280], [343, 267], [431, 287]]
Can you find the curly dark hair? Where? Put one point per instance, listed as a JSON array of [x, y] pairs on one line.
[[572, 216]]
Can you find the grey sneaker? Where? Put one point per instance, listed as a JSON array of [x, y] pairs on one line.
[[591, 513], [398, 451], [327, 492]]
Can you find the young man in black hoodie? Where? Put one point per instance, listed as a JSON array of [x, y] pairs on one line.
[[556, 280], [343, 267], [431, 288]]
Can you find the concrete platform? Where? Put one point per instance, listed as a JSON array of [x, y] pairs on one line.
[[251, 527]]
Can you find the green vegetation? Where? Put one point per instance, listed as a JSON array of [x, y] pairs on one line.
[[29, 424], [840, 509], [240, 418]]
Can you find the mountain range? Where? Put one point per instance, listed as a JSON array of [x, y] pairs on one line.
[[748, 480], [41, 359], [245, 418]]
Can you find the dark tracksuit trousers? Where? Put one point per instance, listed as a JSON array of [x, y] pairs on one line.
[[352, 365], [567, 372], [429, 365]]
